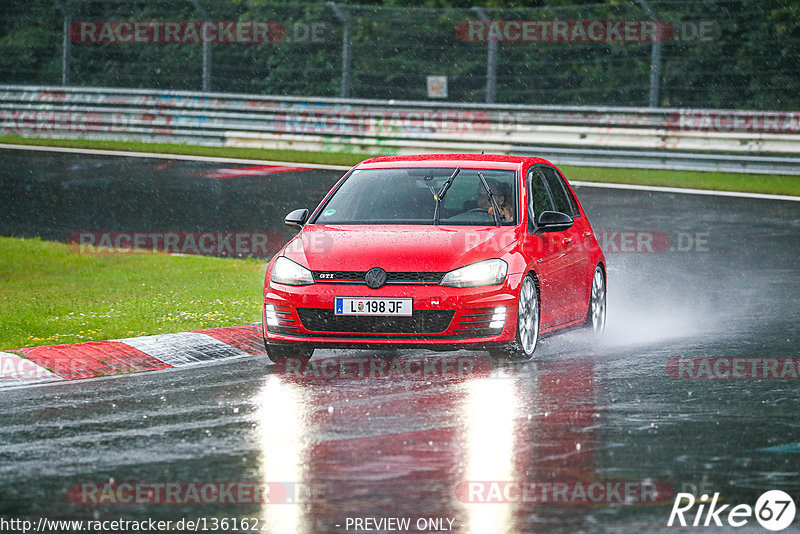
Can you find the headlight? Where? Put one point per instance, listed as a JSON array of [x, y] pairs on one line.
[[483, 273], [285, 271]]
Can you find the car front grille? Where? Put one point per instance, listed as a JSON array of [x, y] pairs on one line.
[[422, 322], [398, 278]]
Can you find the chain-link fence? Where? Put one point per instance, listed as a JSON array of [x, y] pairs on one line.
[[741, 54]]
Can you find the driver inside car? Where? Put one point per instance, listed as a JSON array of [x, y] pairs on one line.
[[501, 197]]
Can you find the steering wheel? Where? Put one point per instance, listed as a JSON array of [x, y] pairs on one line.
[[483, 210]]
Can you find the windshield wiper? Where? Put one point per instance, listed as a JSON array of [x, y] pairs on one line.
[[442, 193], [495, 208]]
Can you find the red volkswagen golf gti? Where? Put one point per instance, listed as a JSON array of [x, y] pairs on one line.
[[437, 251]]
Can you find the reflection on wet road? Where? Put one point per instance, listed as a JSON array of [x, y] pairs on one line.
[[583, 412]]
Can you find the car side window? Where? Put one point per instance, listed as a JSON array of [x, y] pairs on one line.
[[562, 199], [537, 193]]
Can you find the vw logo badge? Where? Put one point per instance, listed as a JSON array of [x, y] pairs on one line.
[[375, 277]]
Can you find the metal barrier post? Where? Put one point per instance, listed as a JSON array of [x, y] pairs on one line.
[[491, 60], [655, 59], [65, 43], [341, 15], [206, 49]]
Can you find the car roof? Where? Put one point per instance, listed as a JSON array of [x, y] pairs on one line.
[[489, 161]]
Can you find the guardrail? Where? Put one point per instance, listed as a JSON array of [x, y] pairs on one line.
[[739, 141]]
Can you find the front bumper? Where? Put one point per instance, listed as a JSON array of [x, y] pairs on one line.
[[443, 317]]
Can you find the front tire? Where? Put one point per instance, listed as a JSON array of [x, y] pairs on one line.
[[521, 350], [278, 353], [596, 316]]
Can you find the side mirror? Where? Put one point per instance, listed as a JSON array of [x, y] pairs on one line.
[[553, 221], [297, 218]]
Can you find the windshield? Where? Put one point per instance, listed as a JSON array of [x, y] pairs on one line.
[[408, 196]]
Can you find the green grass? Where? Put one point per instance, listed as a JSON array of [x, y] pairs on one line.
[[50, 294], [719, 181], [297, 156]]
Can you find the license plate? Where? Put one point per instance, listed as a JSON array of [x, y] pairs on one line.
[[373, 306]]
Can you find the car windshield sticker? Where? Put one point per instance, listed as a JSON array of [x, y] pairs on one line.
[[329, 212]]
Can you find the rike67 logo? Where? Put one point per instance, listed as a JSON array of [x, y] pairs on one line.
[[774, 510]]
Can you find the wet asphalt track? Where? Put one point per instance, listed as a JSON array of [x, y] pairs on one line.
[[378, 448]]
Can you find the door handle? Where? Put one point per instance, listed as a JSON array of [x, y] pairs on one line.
[[587, 234], [567, 240]]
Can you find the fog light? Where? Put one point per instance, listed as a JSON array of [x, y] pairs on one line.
[[272, 317], [498, 318]]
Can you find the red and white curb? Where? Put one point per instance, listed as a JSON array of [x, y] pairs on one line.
[[105, 358]]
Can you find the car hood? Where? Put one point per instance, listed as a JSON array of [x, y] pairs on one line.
[[397, 248]]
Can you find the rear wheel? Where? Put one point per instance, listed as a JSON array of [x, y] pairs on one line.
[[281, 352], [521, 350], [596, 316]]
